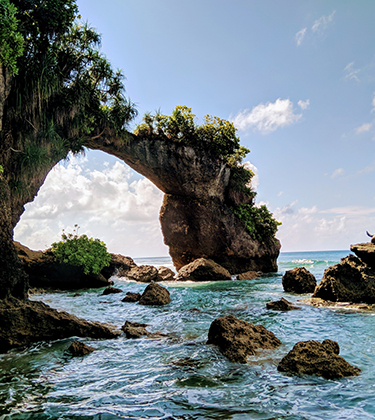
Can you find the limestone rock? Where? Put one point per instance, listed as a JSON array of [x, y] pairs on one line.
[[24, 322], [119, 265], [203, 270], [45, 272], [155, 294], [365, 252], [315, 358], [144, 274], [166, 274], [77, 348], [238, 339], [131, 297], [299, 280], [249, 275], [349, 281], [281, 305], [111, 290]]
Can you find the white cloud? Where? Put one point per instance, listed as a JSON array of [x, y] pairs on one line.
[[351, 72], [337, 173], [254, 182], [363, 128], [321, 24], [300, 35], [304, 104], [268, 117]]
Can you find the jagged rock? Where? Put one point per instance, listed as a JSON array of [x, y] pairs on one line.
[[349, 281], [45, 272], [24, 322], [281, 305], [365, 252], [299, 280], [77, 348], [134, 329], [144, 274], [131, 297], [155, 294], [203, 270], [111, 290], [119, 265], [249, 275], [238, 339], [315, 358], [166, 274]]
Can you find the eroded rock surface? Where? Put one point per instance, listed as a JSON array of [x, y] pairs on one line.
[[238, 339], [281, 305], [365, 252], [166, 274], [135, 329], [315, 358], [299, 280], [111, 290], [24, 322], [77, 349], [349, 281], [144, 274], [249, 275], [154, 294], [131, 297], [119, 265], [203, 270]]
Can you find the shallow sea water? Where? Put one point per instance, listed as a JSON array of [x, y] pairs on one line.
[[181, 377]]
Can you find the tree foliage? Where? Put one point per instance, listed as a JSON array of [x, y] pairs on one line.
[[89, 253], [216, 134]]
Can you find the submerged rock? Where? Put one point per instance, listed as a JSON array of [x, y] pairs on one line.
[[24, 322], [349, 281], [131, 297], [144, 274], [238, 339], [203, 270], [111, 290], [315, 358], [365, 252], [77, 348], [154, 294], [299, 280], [281, 305]]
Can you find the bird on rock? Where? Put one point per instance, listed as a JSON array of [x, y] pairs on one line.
[[372, 237]]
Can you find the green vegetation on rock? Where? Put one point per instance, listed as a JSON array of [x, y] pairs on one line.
[[89, 253]]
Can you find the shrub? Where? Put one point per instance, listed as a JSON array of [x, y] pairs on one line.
[[89, 253]]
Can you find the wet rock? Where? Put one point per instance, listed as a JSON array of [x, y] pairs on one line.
[[365, 252], [45, 272], [155, 294], [77, 348], [166, 274], [249, 275], [144, 274], [315, 358], [134, 329], [238, 339], [119, 265], [281, 305], [203, 270], [299, 280], [23, 322], [131, 297], [349, 281], [111, 290]]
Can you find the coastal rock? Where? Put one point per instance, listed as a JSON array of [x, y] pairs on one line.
[[349, 281], [111, 290], [281, 305], [24, 322], [249, 275], [238, 339], [134, 329], [131, 297], [144, 274], [299, 280], [315, 358], [45, 272], [365, 252], [77, 348], [203, 270], [166, 274], [155, 294], [119, 266]]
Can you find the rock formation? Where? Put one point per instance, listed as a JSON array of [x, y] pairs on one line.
[[119, 265], [77, 349], [154, 294], [203, 270], [166, 274], [299, 280], [314, 358], [131, 297], [111, 290], [365, 252], [238, 339], [281, 305], [144, 274]]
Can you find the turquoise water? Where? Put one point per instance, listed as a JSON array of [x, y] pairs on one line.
[[144, 379]]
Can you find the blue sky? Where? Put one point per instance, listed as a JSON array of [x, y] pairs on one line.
[[297, 78]]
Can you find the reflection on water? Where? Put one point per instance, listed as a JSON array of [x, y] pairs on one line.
[[181, 377]]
